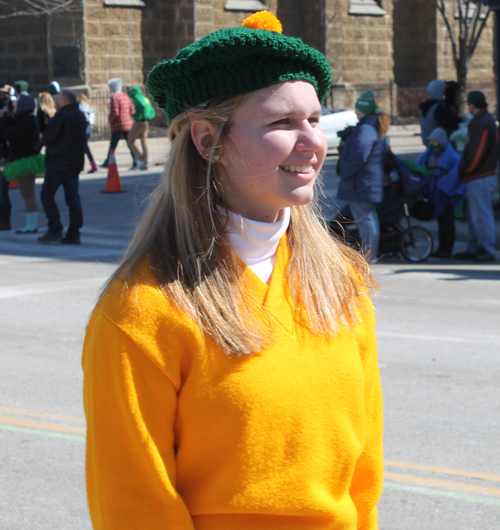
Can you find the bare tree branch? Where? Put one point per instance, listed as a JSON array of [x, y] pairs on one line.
[[442, 9], [24, 8], [479, 31], [472, 19]]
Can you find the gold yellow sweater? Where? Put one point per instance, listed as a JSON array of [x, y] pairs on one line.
[[182, 437]]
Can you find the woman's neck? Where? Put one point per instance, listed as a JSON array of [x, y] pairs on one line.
[[256, 243]]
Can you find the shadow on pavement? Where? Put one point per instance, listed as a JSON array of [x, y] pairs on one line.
[[109, 222], [460, 274]]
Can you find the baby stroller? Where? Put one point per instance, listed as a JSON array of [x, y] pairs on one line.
[[409, 196]]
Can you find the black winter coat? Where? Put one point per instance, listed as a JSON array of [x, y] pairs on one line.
[[22, 134], [66, 139]]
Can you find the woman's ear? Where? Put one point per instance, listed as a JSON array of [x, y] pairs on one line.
[[203, 134]]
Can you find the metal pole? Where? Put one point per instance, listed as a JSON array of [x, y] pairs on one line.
[[497, 31]]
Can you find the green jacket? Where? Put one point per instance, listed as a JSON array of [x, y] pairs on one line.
[[143, 108]]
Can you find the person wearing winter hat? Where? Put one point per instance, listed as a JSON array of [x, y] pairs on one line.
[[25, 163], [477, 169], [53, 88], [361, 171], [144, 113], [447, 191], [121, 110], [6, 102], [230, 366], [433, 111], [21, 87]]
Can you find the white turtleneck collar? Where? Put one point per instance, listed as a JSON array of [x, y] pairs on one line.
[[257, 243]]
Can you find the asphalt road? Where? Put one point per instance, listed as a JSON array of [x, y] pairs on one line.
[[439, 351]]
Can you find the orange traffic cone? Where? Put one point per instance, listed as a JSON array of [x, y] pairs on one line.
[[113, 182], [13, 185]]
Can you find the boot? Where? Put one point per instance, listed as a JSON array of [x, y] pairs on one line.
[[93, 167], [31, 224], [5, 222]]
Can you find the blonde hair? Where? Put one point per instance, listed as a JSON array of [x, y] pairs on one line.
[[384, 122], [83, 97], [182, 234], [46, 104]]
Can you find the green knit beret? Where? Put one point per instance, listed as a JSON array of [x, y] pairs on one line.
[[231, 62]]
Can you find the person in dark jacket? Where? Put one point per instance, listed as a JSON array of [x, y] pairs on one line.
[[65, 140], [452, 105], [433, 111], [21, 131], [477, 168], [6, 92], [361, 171]]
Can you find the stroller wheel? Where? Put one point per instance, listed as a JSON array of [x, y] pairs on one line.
[[415, 244]]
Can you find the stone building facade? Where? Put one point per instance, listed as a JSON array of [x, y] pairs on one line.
[[422, 48], [375, 44]]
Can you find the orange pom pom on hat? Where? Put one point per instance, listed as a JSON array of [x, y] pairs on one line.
[[263, 20], [235, 61]]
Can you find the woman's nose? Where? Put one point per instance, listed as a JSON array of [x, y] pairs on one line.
[[311, 138]]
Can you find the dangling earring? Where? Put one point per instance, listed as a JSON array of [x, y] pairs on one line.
[[216, 157]]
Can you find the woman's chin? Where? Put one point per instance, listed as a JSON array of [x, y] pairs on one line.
[[301, 196]]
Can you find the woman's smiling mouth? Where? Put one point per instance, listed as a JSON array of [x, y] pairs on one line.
[[297, 169]]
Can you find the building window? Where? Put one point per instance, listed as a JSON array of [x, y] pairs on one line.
[[244, 5], [366, 7], [471, 11], [66, 61], [124, 3]]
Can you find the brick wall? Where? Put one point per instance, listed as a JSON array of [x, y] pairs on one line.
[[359, 50], [113, 44], [210, 16]]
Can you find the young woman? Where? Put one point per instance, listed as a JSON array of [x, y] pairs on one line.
[[231, 376], [46, 110], [361, 172]]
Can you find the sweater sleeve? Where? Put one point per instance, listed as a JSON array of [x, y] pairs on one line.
[[367, 481], [130, 405]]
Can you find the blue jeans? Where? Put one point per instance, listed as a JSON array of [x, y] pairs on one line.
[[366, 219], [480, 216], [51, 184]]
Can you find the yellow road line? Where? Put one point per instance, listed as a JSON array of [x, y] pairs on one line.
[[445, 471], [444, 484], [41, 425], [41, 415], [409, 479]]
